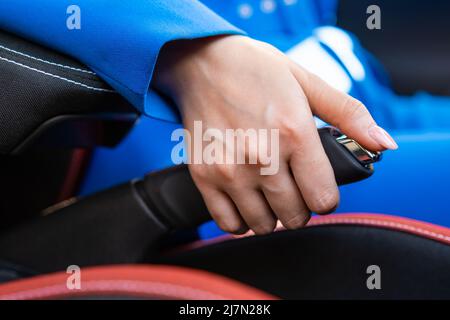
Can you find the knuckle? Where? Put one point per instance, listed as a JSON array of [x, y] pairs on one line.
[[274, 185], [289, 129], [354, 109], [326, 202], [226, 172], [303, 76], [198, 172]]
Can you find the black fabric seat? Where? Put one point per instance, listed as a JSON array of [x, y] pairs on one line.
[[50, 105], [39, 85]]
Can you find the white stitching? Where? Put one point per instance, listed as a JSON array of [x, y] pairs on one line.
[[45, 61], [381, 223], [137, 287], [58, 77]]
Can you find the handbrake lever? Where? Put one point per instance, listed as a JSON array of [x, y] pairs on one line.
[[125, 224], [173, 197]]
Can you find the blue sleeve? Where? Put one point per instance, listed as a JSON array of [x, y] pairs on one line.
[[118, 39], [327, 11]]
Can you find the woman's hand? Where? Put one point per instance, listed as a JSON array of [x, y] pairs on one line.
[[234, 82]]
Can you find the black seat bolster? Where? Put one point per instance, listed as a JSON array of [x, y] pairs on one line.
[[38, 85]]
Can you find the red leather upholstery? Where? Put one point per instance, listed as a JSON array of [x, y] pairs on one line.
[[151, 282]]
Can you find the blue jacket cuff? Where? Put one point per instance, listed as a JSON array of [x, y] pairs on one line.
[[120, 40]]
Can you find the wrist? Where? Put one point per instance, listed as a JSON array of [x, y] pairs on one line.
[[178, 61]]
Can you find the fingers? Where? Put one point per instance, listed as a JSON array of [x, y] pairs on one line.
[[235, 211], [343, 111], [255, 210], [285, 199], [308, 161], [313, 172], [224, 211]]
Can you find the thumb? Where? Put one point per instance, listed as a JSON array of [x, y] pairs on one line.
[[343, 111]]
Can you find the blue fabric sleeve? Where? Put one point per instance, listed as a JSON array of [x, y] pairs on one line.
[[327, 10], [120, 40]]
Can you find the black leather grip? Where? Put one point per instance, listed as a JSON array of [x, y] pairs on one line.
[[172, 195]]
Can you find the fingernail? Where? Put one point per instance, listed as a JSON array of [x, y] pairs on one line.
[[383, 138]]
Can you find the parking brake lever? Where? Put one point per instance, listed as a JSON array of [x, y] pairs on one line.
[[126, 223], [173, 197]]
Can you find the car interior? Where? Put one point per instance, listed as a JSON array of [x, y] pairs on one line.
[[139, 239]]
